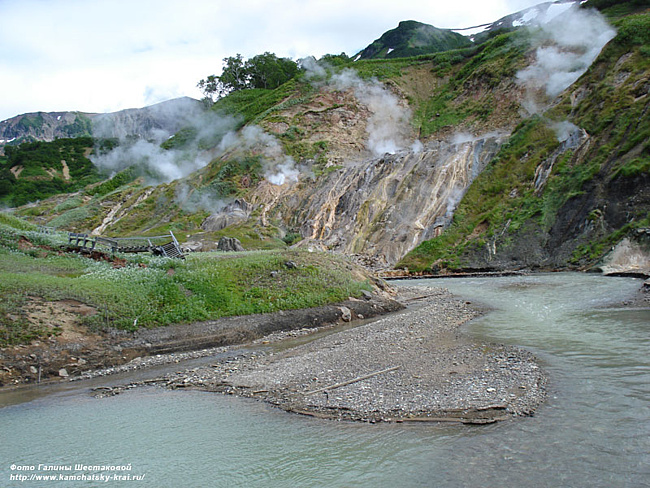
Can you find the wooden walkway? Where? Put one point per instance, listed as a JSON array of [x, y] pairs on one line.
[[169, 249]]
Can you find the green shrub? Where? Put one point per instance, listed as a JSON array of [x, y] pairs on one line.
[[151, 292], [634, 30], [122, 178]]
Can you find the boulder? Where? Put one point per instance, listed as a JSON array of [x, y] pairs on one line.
[[229, 244], [192, 246], [346, 314]]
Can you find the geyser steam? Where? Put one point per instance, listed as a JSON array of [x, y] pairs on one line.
[[568, 44], [279, 168], [388, 125], [160, 165]]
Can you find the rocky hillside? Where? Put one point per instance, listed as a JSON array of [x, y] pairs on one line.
[[44, 126], [526, 150], [168, 116], [573, 180]]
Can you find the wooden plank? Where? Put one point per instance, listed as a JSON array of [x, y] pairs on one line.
[[354, 380]]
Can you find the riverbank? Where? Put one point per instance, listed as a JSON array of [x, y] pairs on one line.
[[78, 353], [415, 365]]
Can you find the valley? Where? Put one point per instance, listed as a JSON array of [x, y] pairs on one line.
[[480, 159]]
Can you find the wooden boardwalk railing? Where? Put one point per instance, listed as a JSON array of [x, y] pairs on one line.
[[170, 249], [44, 229], [82, 241]]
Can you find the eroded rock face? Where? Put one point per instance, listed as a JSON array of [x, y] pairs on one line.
[[628, 257], [233, 213], [384, 207]]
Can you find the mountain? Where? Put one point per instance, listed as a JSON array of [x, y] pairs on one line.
[[543, 12], [411, 38], [529, 150], [167, 116], [44, 126], [571, 189], [49, 153]]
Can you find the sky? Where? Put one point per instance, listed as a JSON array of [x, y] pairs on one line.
[[109, 55]]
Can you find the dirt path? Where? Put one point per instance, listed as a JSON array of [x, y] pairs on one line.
[[66, 170]]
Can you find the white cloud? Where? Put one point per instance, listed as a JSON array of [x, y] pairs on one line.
[[104, 55]]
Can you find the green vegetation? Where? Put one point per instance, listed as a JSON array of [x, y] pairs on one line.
[[230, 176], [122, 178], [182, 139], [151, 292], [617, 8], [81, 127], [70, 219], [614, 110], [502, 199], [466, 88], [264, 71], [411, 38], [503, 205], [251, 105], [477, 70], [37, 170], [31, 121]]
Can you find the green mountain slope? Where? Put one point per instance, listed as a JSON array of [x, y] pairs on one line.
[[411, 38], [548, 203], [571, 182], [37, 170]]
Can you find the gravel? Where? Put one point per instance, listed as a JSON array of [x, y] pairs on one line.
[[414, 365]]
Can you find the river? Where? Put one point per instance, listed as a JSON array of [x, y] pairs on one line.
[[594, 430]]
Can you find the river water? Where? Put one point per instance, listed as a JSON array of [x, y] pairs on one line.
[[594, 431]]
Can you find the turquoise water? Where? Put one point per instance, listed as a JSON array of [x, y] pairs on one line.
[[593, 431]]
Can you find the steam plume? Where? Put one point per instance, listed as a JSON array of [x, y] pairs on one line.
[[196, 200], [568, 44], [565, 130], [279, 168], [155, 163], [389, 124]]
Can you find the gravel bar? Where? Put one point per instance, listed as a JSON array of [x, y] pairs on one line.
[[415, 365]]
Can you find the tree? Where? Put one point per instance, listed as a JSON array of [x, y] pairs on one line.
[[268, 71], [261, 71], [233, 77], [335, 59]]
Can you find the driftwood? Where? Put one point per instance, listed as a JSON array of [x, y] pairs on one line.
[[349, 382], [418, 298]]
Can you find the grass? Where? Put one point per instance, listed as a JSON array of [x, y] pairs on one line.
[[153, 292], [485, 66], [502, 202], [253, 104]]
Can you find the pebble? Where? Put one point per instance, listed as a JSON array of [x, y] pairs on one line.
[[413, 365]]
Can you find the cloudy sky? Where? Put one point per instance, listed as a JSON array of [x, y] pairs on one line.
[[107, 55]]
